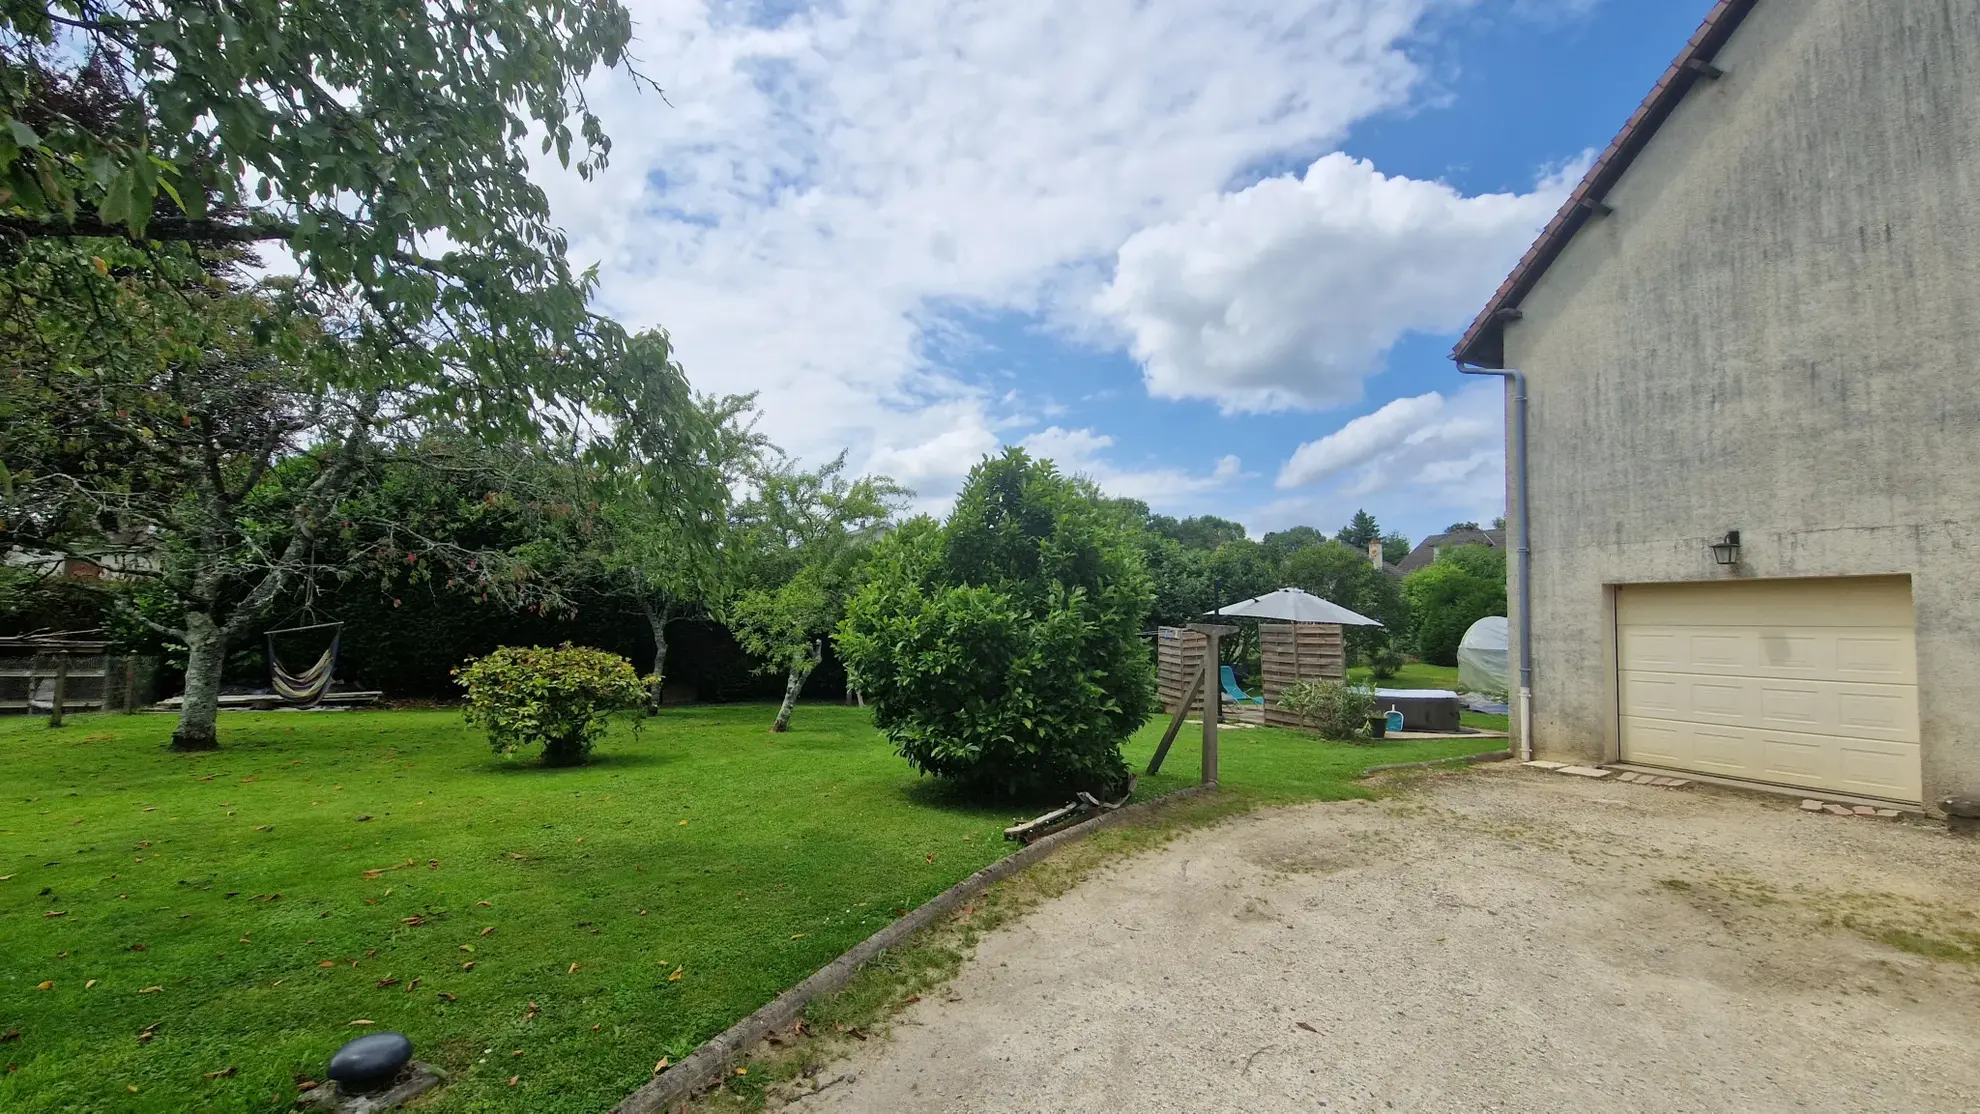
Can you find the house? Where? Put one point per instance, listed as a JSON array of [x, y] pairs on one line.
[[1749, 343], [1426, 550]]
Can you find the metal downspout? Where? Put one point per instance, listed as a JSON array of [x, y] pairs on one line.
[[1524, 551]]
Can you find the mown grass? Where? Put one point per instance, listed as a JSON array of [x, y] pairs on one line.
[[244, 907]]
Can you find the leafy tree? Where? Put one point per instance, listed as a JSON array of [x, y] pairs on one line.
[[1284, 543], [658, 547], [1456, 526], [1201, 532], [1463, 585], [803, 538], [1345, 576], [221, 426], [1395, 547], [1002, 651], [357, 134], [1499, 523], [141, 142]]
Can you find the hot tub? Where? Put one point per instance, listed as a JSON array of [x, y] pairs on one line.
[[1422, 709]]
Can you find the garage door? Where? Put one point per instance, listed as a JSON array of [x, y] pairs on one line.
[[1808, 683]]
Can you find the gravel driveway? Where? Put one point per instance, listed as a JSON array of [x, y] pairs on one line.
[[1497, 940]]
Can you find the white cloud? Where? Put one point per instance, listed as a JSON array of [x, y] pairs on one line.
[[1446, 449], [1289, 293], [1079, 452], [815, 200]]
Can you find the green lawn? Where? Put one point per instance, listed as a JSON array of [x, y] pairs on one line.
[[235, 912], [1423, 675]]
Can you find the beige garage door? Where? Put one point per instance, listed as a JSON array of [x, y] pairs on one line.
[[1809, 683]]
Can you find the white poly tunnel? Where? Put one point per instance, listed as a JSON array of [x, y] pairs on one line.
[[1482, 657]]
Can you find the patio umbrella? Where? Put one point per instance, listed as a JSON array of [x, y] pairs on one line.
[[1297, 606]]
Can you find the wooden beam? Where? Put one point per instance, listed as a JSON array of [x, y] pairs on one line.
[[1704, 69], [1595, 208], [1182, 713]]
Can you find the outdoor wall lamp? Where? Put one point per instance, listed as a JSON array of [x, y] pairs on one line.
[[1726, 550]]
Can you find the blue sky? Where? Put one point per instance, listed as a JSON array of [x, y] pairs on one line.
[[1212, 253]]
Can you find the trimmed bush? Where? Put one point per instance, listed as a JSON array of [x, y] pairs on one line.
[[1336, 709], [1001, 652], [526, 695]]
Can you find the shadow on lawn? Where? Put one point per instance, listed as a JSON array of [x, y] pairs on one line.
[[615, 760]]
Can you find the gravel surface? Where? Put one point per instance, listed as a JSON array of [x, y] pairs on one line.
[[1497, 940]]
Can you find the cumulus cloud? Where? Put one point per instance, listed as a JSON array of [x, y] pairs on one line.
[[825, 186], [1080, 452], [1452, 446], [1288, 293]]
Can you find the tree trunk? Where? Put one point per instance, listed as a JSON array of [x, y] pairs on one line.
[[795, 681], [206, 656], [656, 617]]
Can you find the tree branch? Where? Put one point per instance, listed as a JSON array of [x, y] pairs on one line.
[[162, 228]]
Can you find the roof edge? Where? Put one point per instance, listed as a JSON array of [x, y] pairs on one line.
[[1483, 343]]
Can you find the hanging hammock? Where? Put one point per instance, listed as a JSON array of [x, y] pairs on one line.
[[308, 686]]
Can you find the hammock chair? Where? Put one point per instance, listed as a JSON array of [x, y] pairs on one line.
[[307, 687]]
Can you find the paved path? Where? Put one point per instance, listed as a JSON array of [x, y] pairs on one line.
[[1502, 940]]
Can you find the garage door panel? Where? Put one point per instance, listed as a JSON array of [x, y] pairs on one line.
[[1887, 770], [1883, 656], [1656, 695], [1659, 742], [1722, 750], [1818, 689]]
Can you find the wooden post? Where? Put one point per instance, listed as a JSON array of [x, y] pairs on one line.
[[130, 685], [1213, 704], [61, 687]]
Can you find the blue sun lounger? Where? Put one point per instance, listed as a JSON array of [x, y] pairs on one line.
[[1232, 690]]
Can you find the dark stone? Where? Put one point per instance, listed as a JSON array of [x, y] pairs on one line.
[[1966, 808], [372, 1060]]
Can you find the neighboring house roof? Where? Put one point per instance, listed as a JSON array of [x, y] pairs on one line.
[[1426, 550], [1484, 342]]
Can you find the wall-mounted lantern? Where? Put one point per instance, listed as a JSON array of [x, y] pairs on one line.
[[1725, 551]]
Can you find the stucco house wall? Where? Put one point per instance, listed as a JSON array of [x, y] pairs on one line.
[[1777, 330]]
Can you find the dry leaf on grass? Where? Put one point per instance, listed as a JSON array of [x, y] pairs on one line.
[[468, 966], [444, 996], [364, 1021], [486, 931], [484, 904], [512, 1080], [46, 985], [152, 990], [224, 1073], [659, 1065], [676, 976], [573, 970]]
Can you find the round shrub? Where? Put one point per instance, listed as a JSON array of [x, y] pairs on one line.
[[1336, 709], [526, 695], [1001, 652]]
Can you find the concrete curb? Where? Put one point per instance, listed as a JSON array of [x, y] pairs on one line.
[[1488, 756], [711, 1061]]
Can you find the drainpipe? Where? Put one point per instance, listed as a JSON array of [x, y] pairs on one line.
[[1517, 435]]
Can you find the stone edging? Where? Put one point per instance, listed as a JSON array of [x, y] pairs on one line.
[[709, 1062], [1488, 756]]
